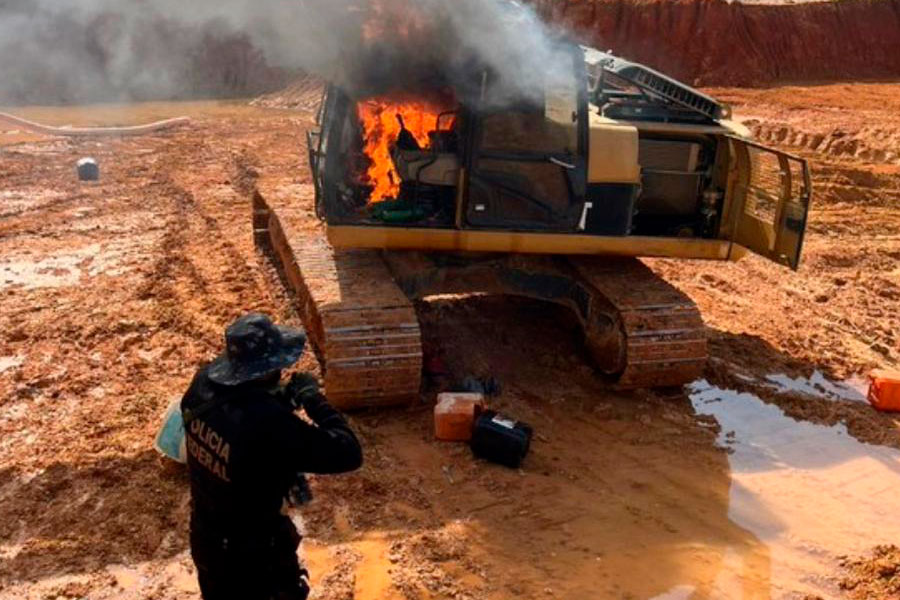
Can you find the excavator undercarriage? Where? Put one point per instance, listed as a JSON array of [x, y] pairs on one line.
[[358, 305]]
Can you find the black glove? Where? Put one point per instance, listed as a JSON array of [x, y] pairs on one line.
[[300, 388], [299, 493], [302, 391]]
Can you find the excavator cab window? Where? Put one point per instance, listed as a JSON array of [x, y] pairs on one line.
[[526, 168]]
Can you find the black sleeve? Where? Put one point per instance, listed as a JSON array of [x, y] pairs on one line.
[[329, 446], [190, 397]]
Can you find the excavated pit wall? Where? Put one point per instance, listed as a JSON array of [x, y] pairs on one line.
[[713, 42]]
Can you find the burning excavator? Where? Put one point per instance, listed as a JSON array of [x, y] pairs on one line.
[[549, 189]]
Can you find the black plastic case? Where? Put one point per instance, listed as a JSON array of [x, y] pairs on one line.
[[500, 439]]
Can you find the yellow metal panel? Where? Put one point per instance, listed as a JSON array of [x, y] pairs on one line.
[[401, 238], [612, 152], [720, 128], [736, 128]]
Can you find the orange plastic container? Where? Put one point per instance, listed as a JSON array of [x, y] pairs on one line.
[[884, 391], [454, 415]]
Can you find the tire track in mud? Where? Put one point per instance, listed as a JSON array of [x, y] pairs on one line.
[[79, 494], [51, 207], [89, 502], [197, 257], [159, 284], [179, 304]]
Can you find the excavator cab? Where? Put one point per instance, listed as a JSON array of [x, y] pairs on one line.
[[526, 161], [595, 155]]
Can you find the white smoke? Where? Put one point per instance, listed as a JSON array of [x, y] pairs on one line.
[[453, 40], [81, 50]]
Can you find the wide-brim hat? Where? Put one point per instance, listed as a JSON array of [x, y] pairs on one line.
[[256, 347]]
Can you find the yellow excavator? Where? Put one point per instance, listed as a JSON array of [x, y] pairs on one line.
[[550, 190]]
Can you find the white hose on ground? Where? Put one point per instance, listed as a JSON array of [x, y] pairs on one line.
[[92, 131]]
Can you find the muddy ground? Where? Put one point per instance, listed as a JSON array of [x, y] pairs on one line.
[[111, 294]]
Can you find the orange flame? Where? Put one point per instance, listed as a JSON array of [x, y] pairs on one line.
[[378, 117]]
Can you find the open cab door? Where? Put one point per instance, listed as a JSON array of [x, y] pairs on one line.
[[316, 145], [769, 201]]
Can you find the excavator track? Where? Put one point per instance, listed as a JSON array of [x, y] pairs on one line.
[[664, 335], [361, 325], [641, 331]]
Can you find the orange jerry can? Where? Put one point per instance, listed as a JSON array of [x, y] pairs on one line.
[[884, 391], [454, 415]]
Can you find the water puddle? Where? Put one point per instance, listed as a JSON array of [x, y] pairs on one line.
[[51, 271], [681, 592], [8, 363], [13, 202], [819, 386], [67, 268], [810, 493]]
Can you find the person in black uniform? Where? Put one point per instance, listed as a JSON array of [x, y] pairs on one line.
[[246, 451]]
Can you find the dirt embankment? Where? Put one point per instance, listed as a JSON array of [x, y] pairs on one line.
[[713, 42]]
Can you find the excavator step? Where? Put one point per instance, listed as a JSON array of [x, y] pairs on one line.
[[363, 327]]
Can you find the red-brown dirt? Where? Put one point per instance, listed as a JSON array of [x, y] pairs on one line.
[[875, 576]]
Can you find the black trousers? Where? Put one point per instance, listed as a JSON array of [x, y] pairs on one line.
[[249, 566]]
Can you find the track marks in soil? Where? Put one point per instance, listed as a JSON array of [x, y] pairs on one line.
[[100, 360], [874, 145]]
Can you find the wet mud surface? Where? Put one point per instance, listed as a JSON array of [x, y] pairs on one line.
[[111, 294]]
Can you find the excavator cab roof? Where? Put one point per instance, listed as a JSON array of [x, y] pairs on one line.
[[631, 91]]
